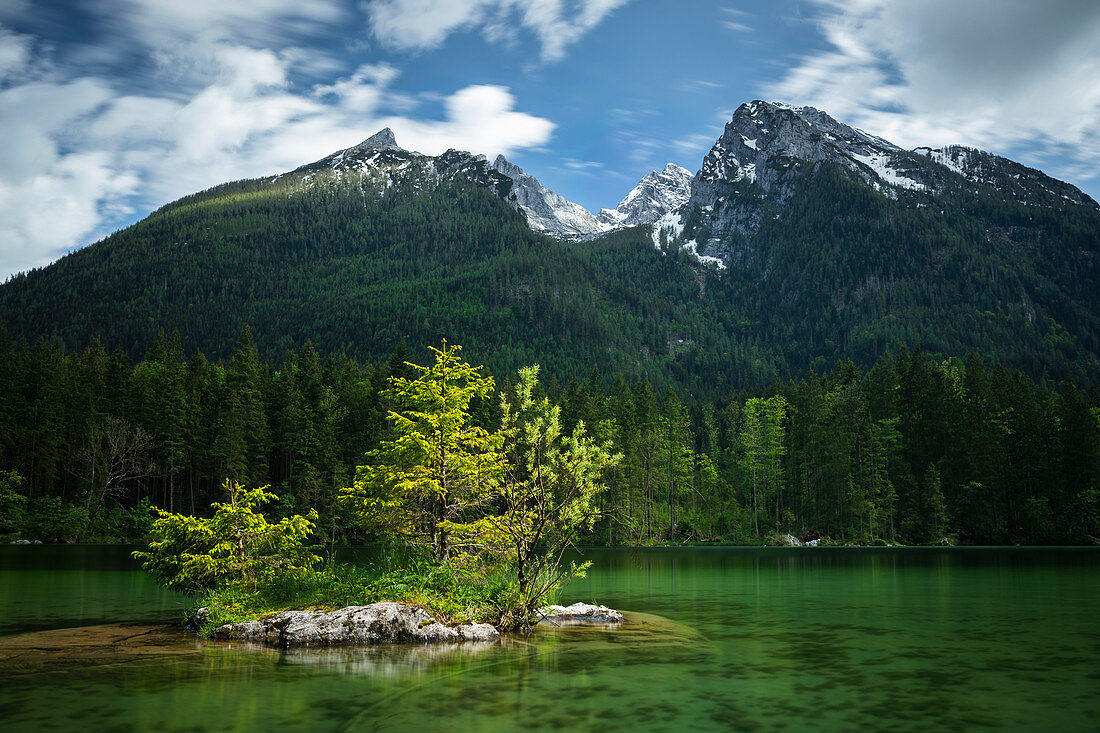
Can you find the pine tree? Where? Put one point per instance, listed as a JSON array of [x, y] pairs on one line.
[[439, 466]]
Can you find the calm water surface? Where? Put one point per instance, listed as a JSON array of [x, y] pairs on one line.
[[760, 639]]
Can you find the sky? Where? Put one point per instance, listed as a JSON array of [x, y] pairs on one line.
[[112, 108]]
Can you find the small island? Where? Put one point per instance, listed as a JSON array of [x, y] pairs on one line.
[[475, 523], [387, 622]]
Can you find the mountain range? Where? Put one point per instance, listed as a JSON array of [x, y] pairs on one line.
[[799, 241]]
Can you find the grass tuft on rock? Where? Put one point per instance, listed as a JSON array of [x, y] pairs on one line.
[[451, 595]]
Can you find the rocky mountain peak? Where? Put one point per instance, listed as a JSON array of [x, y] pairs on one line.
[[382, 140], [762, 134], [655, 195], [507, 167]]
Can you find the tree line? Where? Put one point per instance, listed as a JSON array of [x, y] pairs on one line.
[[913, 450]]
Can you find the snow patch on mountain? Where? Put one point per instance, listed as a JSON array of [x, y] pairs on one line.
[[1025, 185], [692, 247], [671, 225], [956, 158], [880, 163]]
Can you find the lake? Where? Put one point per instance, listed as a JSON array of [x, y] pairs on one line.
[[721, 639]]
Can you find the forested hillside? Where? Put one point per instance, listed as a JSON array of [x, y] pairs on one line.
[[914, 450]]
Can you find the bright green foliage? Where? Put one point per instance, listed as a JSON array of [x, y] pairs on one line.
[[548, 492], [427, 483], [451, 595], [191, 554], [763, 444], [13, 505]]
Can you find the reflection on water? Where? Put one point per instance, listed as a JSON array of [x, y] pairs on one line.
[[59, 586], [749, 639]]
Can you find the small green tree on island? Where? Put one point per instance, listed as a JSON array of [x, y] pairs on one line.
[[547, 493], [439, 469], [192, 554], [518, 497]]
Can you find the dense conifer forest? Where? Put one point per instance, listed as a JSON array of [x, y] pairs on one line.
[[914, 450]]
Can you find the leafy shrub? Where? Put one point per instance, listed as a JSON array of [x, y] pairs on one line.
[[190, 554]]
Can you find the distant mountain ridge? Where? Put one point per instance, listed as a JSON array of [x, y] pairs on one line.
[[387, 163], [799, 241]]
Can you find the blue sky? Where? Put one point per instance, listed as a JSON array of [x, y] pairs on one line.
[[110, 108]]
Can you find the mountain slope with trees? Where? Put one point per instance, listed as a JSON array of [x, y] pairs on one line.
[[823, 257]]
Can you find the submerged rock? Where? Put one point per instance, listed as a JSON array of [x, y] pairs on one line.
[[377, 623], [578, 613], [62, 650]]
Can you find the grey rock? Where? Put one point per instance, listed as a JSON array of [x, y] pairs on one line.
[[381, 140], [655, 195], [578, 614], [198, 618], [788, 540], [547, 211], [22, 542], [477, 632], [377, 623], [763, 148]]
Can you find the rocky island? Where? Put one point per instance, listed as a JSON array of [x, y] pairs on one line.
[[386, 622]]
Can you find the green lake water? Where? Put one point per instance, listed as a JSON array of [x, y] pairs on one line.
[[721, 639]]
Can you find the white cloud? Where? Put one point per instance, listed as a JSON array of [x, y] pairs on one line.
[[363, 90], [583, 166], [734, 20], [15, 52], [693, 144], [1012, 76], [35, 118], [46, 213], [423, 24], [156, 22], [481, 119], [79, 154]]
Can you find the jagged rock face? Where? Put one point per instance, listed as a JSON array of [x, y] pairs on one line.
[[654, 196], [763, 140], [764, 144], [381, 140], [377, 623], [765, 147], [547, 211]]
